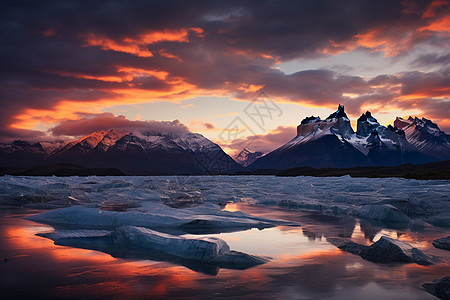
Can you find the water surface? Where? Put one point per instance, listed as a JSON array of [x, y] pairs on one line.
[[303, 265]]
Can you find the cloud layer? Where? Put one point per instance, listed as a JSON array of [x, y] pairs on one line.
[[65, 57], [90, 123]]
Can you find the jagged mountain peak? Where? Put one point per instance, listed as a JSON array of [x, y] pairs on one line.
[[247, 157], [53, 146], [313, 127], [425, 136], [309, 120], [422, 124], [366, 116], [246, 152], [332, 143], [110, 138], [394, 128], [339, 113], [84, 144], [366, 123]]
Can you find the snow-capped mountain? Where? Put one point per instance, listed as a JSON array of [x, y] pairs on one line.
[[247, 157], [101, 141], [53, 146], [425, 136], [319, 143], [384, 145], [333, 143], [132, 152]]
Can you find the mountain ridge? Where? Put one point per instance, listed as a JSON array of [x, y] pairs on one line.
[[327, 143], [134, 152], [332, 143]]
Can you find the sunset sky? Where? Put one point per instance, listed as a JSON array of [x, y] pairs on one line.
[[71, 67]]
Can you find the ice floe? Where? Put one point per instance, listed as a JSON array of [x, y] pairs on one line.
[[385, 213], [204, 254], [442, 243], [202, 219], [384, 250], [439, 287], [383, 199]]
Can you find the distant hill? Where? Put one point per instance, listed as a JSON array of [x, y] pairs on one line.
[[435, 170], [60, 170]]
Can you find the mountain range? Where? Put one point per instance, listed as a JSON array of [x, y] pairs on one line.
[[132, 152], [332, 143], [328, 143]]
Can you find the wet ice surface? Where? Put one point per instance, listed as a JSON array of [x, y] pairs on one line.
[[303, 265], [391, 200]]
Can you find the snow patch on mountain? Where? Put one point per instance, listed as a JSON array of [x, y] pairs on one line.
[[247, 157], [53, 146]]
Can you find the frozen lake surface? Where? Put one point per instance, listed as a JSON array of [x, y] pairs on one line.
[[302, 264]]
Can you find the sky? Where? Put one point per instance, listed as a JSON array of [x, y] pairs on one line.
[[258, 67]]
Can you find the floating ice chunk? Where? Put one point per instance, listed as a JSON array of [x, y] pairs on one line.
[[442, 243], [156, 215], [384, 213], [441, 220], [210, 250], [146, 243], [384, 250], [439, 287]]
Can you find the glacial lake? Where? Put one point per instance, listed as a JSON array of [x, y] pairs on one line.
[[303, 264]]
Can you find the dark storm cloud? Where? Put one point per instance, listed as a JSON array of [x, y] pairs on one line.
[[432, 59], [63, 50], [326, 88]]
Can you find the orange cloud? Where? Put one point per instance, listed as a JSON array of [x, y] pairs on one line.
[[250, 54], [440, 25], [200, 125], [69, 109], [393, 40], [432, 7], [251, 88], [124, 74], [165, 53], [130, 73], [138, 49], [139, 46], [376, 39]]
